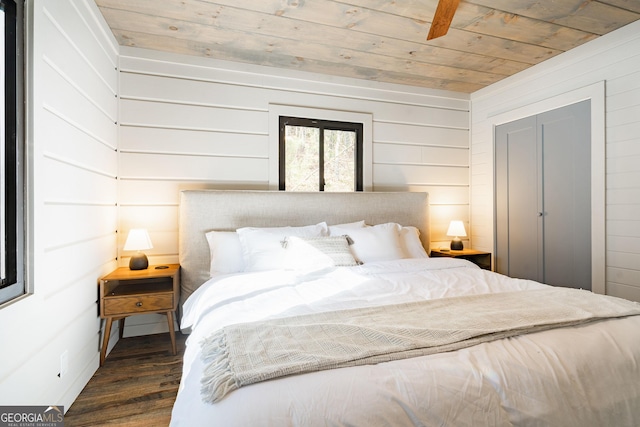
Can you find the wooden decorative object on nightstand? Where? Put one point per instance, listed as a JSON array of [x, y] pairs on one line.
[[480, 258], [126, 292]]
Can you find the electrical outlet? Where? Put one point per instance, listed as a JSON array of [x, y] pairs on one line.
[[64, 363]]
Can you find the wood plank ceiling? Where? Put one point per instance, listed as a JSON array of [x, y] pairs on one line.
[[381, 40]]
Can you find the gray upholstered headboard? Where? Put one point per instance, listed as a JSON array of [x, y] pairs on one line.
[[204, 210]]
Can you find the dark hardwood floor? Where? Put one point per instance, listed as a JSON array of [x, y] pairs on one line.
[[136, 386]]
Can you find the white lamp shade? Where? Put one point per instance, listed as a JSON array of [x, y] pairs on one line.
[[456, 229], [138, 240]]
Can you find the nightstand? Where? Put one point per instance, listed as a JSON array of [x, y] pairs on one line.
[[480, 258], [126, 292]]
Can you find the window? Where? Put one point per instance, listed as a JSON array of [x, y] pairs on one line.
[[11, 152], [320, 155]]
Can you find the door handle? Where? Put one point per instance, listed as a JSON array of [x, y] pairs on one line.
[[540, 213]]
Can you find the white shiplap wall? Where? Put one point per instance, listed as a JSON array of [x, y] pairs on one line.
[[614, 59], [73, 195], [198, 123]]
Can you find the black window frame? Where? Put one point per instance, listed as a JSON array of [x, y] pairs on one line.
[[12, 283], [322, 125]]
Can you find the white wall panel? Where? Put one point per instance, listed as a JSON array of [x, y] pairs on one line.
[[197, 123], [614, 59], [76, 143], [73, 337], [415, 154], [621, 196], [448, 195], [622, 148], [158, 218], [59, 46], [624, 164], [627, 82], [194, 92], [74, 223], [386, 174], [72, 109], [82, 24], [205, 143], [623, 132], [427, 116], [83, 253], [69, 101], [182, 116], [69, 182], [630, 292], [624, 276], [417, 134], [139, 165], [627, 115], [629, 98], [141, 192]]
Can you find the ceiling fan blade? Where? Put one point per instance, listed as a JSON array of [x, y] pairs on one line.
[[443, 17]]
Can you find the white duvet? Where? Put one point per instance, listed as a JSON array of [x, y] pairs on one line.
[[579, 376]]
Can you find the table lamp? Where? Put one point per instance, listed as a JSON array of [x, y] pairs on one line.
[[456, 230], [138, 240]]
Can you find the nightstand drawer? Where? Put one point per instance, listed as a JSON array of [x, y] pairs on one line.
[[138, 304]]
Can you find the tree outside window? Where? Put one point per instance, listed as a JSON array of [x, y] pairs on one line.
[[320, 155]]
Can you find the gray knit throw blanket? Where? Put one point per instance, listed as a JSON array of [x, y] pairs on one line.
[[243, 354]]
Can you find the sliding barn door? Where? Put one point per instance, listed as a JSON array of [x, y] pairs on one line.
[[543, 197]]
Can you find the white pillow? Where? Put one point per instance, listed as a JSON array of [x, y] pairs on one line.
[[262, 248], [333, 228], [411, 244], [375, 243], [226, 252], [314, 253]]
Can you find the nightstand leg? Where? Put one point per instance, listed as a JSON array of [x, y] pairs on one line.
[[105, 341], [121, 325], [172, 332]]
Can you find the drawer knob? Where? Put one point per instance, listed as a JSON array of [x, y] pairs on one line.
[[138, 304]]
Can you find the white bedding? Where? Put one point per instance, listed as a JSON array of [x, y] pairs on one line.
[[584, 375]]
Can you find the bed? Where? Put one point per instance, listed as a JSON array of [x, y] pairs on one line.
[[348, 322]]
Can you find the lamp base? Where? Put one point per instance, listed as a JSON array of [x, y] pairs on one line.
[[138, 261], [456, 245]]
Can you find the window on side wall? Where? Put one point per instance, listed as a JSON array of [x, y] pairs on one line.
[[12, 244], [320, 155]]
